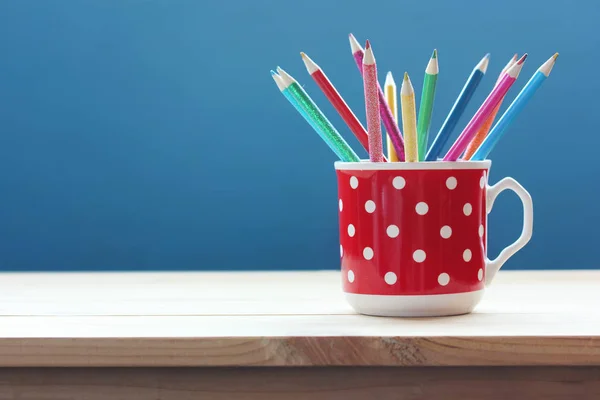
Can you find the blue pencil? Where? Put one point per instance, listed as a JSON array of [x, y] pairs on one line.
[[514, 109], [457, 109]]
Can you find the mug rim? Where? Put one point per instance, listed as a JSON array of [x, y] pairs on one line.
[[403, 166]]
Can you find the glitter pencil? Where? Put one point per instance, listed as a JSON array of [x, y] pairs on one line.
[[534, 83], [391, 126], [426, 106], [389, 87], [485, 128], [484, 110], [372, 105], [292, 90], [336, 100], [409, 120], [457, 109]]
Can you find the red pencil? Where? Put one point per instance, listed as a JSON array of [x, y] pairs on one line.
[[372, 105], [337, 101]]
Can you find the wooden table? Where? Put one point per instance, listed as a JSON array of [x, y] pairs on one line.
[[290, 335]]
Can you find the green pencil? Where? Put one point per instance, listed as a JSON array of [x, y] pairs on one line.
[[426, 106]]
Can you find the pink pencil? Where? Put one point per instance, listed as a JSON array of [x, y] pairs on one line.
[[369, 68], [485, 110], [384, 110]]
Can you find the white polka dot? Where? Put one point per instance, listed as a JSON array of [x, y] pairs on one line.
[[368, 253], [480, 274], [451, 183], [468, 209], [353, 182], [390, 278], [481, 230], [350, 276], [443, 279], [399, 182], [351, 230], [393, 231], [482, 181], [370, 206], [341, 251], [422, 208], [341, 205], [467, 255], [446, 231], [419, 256]]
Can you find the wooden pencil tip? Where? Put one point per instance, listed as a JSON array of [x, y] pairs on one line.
[[302, 54], [522, 59], [367, 44], [389, 79], [555, 56], [406, 76], [434, 55], [514, 58], [354, 45]]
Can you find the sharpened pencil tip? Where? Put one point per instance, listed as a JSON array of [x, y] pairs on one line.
[[514, 58], [434, 55], [407, 87], [389, 79], [311, 66], [555, 56], [483, 64], [367, 44], [278, 81], [522, 59], [354, 45]]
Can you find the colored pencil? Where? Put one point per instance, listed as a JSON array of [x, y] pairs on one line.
[[372, 105], [524, 96], [391, 126], [389, 87], [409, 120], [426, 105], [485, 128], [457, 109], [313, 115], [484, 111], [336, 100]]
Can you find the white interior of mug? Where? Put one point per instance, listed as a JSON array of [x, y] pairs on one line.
[[403, 166]]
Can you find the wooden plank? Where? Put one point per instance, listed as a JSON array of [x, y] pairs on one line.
[[293, 341], [540, 383]]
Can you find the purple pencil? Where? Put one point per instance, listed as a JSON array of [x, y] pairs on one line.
[[384, 110]]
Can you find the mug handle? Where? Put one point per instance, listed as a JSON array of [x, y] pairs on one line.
[[493, 266]]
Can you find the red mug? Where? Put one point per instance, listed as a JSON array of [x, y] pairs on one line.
[[413, 236]]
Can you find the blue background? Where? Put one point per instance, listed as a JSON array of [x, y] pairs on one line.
[[149, 134]]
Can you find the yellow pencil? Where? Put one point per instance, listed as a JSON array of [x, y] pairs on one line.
[[409, 120], [390, 97]]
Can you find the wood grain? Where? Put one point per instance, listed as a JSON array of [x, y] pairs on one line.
[[532, 318], [300, 383]]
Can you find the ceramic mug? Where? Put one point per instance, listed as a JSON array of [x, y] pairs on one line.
[[413, 236]]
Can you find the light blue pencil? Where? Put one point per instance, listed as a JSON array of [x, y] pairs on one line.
[[315, 118], [514, 109], [457, 110]]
